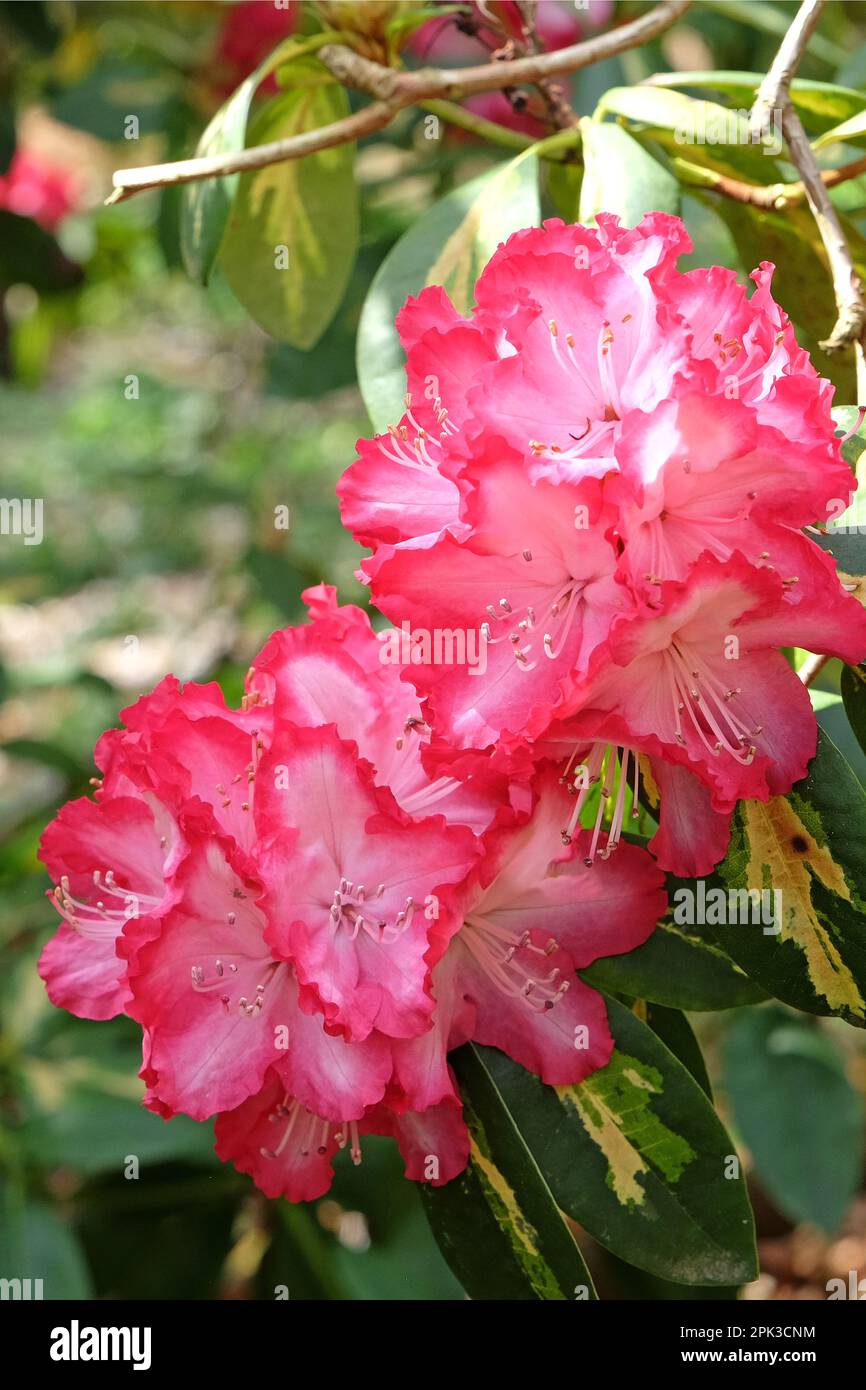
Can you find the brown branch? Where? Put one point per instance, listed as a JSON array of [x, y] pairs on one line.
[[759, 195], [560, 112], [812, 667], [395, 89], [773, 101], [127, 182], [774, 92], [392, 84]]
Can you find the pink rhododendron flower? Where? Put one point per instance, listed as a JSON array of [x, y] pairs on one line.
[[306, 916], [336, 670], [289, 1151], [33, 188], [529, 919], [249, 31], [613, 495]]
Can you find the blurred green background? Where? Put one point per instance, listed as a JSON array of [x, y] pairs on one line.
[[161, 427]]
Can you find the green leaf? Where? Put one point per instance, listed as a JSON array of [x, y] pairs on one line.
[[562, 182], [497, 1224], [772, 1059], [449, 245], [820, 104], [853, 687], [854, 129], [845, 418], [622, 177], [823, 699], [810, 847], [771, 18], [292, 234], [700, 131], [81, 1106], [205, 205], [678, 1036], [637, 1156], [36, 1244], [679, 966], [848, 549]]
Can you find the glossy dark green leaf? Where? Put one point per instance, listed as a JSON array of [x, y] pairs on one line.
[[292, 233], [772, 1060], [677, 1034], [808, 848], [853, 687], [637, 1155], [497, 1224], [679, 966]]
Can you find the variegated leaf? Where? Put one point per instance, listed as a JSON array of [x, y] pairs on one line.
[[497, 1224], [809, 847], [636, 1155]]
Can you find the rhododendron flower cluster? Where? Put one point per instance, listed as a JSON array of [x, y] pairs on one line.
[[604, 474], [304, 920], [607, 471]]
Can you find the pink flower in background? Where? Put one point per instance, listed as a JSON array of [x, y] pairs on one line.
[[488, 28], [454, 38], [249, 31], [31, 187]]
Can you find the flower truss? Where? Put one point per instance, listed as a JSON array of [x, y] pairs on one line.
[[603, 476]]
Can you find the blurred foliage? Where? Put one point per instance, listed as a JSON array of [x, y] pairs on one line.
[[162, 428]]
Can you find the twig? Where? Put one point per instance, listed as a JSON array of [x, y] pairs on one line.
[[128, 182], [774, 92], [775, 195], [395, 89], [560, 112], [773, 99], [404, 88], [450, 112], [812, 667]]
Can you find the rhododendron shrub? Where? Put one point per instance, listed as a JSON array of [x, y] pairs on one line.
[[450, 870]]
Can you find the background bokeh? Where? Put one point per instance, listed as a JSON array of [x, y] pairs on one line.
[[161, 428]]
